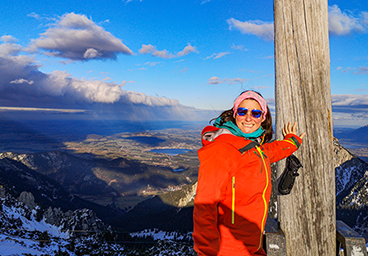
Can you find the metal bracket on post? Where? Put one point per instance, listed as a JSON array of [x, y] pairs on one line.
[[274, 242], [353, 244]]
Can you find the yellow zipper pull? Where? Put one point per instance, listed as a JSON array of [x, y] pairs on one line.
[[233, 203]]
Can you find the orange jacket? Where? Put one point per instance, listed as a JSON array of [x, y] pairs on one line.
[[234, 188]]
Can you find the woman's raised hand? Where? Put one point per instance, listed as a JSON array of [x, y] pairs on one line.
[[288, 129]]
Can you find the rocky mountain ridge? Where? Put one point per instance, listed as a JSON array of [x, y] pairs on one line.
[[28, 229], [50, 231]]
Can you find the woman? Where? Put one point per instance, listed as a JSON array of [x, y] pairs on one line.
[[234, 179]]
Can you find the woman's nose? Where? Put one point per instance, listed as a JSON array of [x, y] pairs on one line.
[[248, 116]]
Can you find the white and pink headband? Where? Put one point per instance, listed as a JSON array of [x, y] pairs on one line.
[[251, 95]]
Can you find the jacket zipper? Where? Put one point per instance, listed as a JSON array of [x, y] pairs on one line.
[[263, 197], [233, 203], [260, 155]]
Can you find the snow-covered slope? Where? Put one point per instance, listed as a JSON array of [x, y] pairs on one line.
[[26, 229], [34, 231]]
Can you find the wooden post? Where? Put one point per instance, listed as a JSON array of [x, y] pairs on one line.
[[303, 94], [353, 244]]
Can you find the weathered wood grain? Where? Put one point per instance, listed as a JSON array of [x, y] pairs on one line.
[[303, 94]]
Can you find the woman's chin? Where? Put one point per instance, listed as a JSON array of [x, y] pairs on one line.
[[248, 130]]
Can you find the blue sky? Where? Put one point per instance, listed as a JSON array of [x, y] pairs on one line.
[[163, 59]]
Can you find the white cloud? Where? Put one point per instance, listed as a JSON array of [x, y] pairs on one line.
[[34, 15], [217, 55], [264, 30], [221, 54], [91, 53], [350, 109], [348, 69], [152, 64], [349, 99], [128, 1], [341, 23], [76, 37], [21, 81], [147, 48], [215, 80], [237, 80], [8, 39], [9, 49], [364, 18], [165, 54], [239, 47], [268, 57], [362, 71], [188, 49], [141, 98]]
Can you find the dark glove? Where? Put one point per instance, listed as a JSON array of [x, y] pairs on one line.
[[286, 181]]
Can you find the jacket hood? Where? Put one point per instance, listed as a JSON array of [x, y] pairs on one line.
[[210, 133]]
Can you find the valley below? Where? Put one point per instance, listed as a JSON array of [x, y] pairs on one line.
[[133, 170], [118, 170]]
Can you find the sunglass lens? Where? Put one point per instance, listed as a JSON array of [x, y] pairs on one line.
[[242, 111], [256, 113]]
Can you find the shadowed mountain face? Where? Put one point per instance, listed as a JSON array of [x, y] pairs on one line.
[[16, 178], [74, 174], [351, 189]]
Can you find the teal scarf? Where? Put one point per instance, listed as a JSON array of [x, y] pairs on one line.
[[234, 129]]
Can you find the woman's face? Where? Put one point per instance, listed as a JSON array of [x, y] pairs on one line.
[[248, 123]]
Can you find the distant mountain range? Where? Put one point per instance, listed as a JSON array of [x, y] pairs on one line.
[[359, 135], [16, 178]]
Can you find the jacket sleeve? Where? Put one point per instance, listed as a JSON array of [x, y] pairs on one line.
[[212, 177], [281, 149]]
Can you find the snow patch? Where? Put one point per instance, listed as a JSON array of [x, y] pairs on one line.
[[274, 246], [357, 251], [160, 235], [33, 224]]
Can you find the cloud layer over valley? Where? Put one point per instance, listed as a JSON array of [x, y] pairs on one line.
[[24, 85]]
